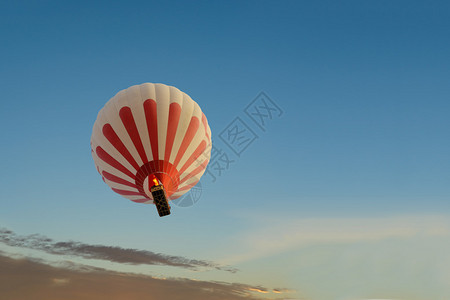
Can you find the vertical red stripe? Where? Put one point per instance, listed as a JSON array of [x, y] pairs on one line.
[[114, 139], [112, 162], [130, 125], [152, 125], [172, 126], [190, 133]]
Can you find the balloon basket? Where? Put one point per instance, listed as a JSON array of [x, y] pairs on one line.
[[160, 200]]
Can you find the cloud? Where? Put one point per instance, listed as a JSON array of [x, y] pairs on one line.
[[273, 235], [108, 253], [259, 290], [32, 279]]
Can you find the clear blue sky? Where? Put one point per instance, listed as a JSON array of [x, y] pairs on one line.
[[364, 87]]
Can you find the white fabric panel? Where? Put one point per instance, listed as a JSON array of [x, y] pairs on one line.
[[147, 91], [163, 98]]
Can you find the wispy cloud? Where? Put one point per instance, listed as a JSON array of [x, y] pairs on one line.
[[102, 252], [273, 235]]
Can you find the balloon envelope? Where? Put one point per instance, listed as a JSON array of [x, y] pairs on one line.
[[151, 131]]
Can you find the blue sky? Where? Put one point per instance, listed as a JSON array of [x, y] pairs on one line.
[[362, 141]]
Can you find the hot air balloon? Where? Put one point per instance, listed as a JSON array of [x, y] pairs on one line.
[[151, 143]]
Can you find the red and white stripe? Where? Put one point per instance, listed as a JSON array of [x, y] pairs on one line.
[[151, 129]]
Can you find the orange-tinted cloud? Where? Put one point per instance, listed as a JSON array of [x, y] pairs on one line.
[[30, 279], [259, 290]]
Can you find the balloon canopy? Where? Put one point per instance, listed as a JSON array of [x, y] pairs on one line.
[[150, 134]]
